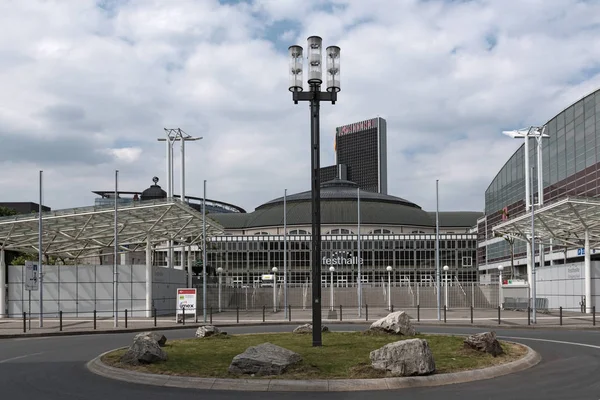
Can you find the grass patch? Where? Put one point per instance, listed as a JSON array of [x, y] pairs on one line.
[[343, 355]]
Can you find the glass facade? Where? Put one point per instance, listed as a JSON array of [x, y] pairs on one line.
[[571, 167], [247, 258]]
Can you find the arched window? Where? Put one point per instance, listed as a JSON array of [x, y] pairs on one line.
[[340, 231], [381, 231], [299, 232]]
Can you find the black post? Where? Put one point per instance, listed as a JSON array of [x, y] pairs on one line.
[[237, 314], [125, 318], [594, 315], [560, 315], [444, 313], [392, 308], [24, 322], [290, 312], [264, 310], [183, 315], [498, 315], [210, 315], [154, 311], [528, 315], [340, 313], [95, 320], [60, 320], [315, 96], [418, 313], [471, 314], [366, 312]]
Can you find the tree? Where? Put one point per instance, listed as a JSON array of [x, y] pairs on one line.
[[7, 212]]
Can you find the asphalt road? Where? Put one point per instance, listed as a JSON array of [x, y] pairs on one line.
[[54, 368]]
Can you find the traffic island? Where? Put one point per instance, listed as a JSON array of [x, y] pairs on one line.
[[343, 363]]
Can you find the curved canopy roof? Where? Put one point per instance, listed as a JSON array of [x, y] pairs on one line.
[[75, 232]]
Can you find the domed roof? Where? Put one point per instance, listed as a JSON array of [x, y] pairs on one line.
[[339, 206], [154, 192], [339, 189]]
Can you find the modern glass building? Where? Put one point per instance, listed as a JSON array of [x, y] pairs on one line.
[[571, 167]]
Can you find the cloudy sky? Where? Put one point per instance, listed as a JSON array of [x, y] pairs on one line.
[[89, 85]]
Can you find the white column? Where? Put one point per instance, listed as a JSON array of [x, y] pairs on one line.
[[189, 266], [182, 170], [149, 277], [528, 208], [2, 284], [274, 291], [588, 273], [551, 252]]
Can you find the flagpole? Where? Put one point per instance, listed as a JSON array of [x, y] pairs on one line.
[[437, 249], [359, 256], [285, 286]]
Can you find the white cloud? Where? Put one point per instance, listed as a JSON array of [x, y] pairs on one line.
[[88, 90]]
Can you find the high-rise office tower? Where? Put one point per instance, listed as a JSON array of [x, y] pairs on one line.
[[362, 148]]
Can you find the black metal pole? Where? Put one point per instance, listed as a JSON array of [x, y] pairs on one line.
[[95, 320], [60, 320], [316, 215]]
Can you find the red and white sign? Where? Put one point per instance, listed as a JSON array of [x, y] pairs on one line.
[[186, 300], [357, 127]]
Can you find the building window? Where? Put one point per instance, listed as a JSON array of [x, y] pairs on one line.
[[299, 232], [417, 232], [380, 231], [261, 233], [467, 261], [340, 232]]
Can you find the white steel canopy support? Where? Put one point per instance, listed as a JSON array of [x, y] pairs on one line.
[[2, 284], [149, 278], [588, 273]]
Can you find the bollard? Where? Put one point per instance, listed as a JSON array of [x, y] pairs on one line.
[[340, 313], [560, 315], [210, 315], [154, 311], [418, 313], [498, 315], [528, 315], [183, 315], [594, 315], [471, 314], [366, 312], [445, 308], [125, 318], [392, 308], [60, 320], [237, 314], [95, 320], [24, 322], [290, 312], [264, 310]]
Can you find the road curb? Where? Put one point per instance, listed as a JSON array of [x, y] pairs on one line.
[[96, 366], [275, 323]]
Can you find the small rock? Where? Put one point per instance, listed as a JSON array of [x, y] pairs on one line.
[[397, 323], [307, 328], [144, 350], [485, 342], [208, 330], [264, 359], [404, 358], [156, 336]]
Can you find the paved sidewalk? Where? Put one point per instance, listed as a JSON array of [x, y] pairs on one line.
[[481, 318]]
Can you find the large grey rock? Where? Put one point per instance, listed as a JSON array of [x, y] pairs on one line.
[[144, 350], [404, 358], [397, 322], [156, 336], [264, 359], [208, 330], [485, 342], [307, 328]]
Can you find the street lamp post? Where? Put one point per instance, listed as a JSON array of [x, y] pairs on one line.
[[220, 272], [389, 271], [315, 96], [331, 270], [446, 268], [500, 269], [274, 289]]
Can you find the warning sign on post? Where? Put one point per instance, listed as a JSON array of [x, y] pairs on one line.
[[186, 300]]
